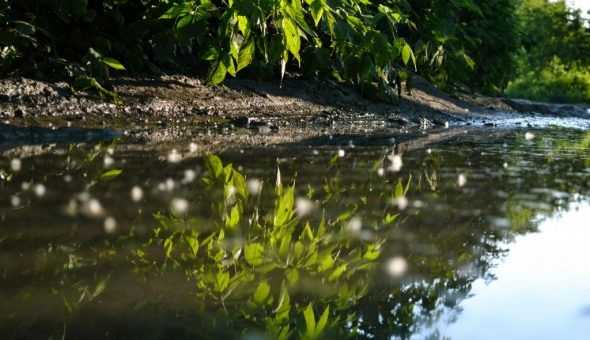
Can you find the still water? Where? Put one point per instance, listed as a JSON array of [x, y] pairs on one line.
[[477, 235]]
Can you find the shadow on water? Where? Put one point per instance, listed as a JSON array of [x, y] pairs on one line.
[[14, 136], [316, 242]]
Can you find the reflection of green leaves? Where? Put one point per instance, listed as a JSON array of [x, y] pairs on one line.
[[110, 174], [254, 254]]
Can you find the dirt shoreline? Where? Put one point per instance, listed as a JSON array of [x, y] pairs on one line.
[[170, 110]]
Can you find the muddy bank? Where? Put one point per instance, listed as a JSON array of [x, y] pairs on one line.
[[177, 109]]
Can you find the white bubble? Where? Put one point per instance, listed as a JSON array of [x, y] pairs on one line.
[[341, 153], [429, 151], [25, 186], [401, 202], [40, 190], [174, 156], [108, 161], [136, 194], [396, 162], [505, 165], [110, 225], [111, 151], [354, 225], [315, 152], [169, 185], [72, 208], [254, 186], [303, 206], [16, 165], [381, 172], [193, 147], [447, 125], [396, 266], [461, 180], [15, 201], [67, 178], [529, 136], [93, 208], [179, 206], [189, 176]]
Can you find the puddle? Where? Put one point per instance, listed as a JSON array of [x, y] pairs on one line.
[[464, 235]]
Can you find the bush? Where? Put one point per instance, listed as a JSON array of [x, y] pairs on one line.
[[555, 82]]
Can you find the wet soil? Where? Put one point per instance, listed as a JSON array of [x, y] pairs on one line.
[[165, 111]]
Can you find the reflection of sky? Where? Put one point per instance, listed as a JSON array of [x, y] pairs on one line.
[[542, 289]]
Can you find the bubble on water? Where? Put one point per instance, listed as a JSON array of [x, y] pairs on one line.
[[254, 186], [108, 161], [401, 202], [168, 185], [381, 172], [84, 196], [174, 156], [15, 201], [447, 125], [25, 186], [67, 178], [111, 151], [71, 208], [396, 267], [341, 153], [355, 225], [461, 180], [40, 190], [529, 136], [16, 165], [303, 206], [396, 162], [315, 152], [418, 204], [179, 206], [505, 165], [136, 194], [93, 208], [193, 147], [110, 225], [189, 176], [429, 151]]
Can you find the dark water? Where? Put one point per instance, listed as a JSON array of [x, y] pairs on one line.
[[478, 235]]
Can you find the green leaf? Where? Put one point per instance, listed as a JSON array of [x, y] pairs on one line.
[[317, 10], [218, 73], [262, 292], [214, 165], [292, 38], [246, 55], [406, 52], [254, 254], [113, 63], [108, 175], [321, 326], [309, 316], [234, 217], [285, 207], [193, 243], [221, 281]]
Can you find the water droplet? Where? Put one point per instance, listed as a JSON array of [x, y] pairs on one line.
[[136, 194], [110, 225], [341, 153], [179, 206], [396, 267], [461, 180], [16, 165], [529, 136], [303, 206]]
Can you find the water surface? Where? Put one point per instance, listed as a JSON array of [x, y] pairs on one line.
[[480, 234]]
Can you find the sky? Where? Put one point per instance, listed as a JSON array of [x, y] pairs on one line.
[[584, 5]]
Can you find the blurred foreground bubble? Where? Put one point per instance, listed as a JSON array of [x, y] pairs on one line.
[[16, 165], [303, 206], [461, 180], [529, 136], [174, 156], [40, 190], [179, 206], [136, 194], [396, 267], [254, 186], [15, 201], [110, 225], [355, 225]]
